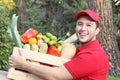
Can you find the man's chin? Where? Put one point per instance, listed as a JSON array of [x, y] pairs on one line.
[[83, 41]]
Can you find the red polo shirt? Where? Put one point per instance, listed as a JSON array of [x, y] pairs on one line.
[[90, 63]]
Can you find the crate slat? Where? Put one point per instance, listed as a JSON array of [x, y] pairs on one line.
[[19, 75], [34, 57], [40, 57]]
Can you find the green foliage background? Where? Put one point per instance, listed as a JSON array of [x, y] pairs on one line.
[[60, 23], [116, 20], [5, 43]]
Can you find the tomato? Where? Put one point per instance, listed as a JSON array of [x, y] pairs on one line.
[[52, 50], [28, 34]]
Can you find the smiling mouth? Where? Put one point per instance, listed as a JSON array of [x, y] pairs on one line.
[[83, 34]]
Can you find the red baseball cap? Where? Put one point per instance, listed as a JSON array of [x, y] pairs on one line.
[[93, 15]]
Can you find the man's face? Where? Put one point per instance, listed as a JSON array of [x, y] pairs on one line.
[[86, 29]]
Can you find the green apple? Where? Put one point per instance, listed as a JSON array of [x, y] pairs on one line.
[[39, 36], [59, 48], [54, 38], [46, 39], [57, 44], [49, 34], [61, 42], [53, 42]]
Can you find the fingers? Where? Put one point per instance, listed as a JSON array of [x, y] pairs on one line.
[[11, 64], [16, 60], [11, 60]]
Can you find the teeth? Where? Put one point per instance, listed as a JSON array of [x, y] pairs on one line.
[[83, 34]]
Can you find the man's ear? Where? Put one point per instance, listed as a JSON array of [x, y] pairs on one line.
[[98, 30]]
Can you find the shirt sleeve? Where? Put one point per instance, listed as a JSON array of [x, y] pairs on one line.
[[82, 65]]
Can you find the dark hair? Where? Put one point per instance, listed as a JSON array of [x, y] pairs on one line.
[[97, 24]]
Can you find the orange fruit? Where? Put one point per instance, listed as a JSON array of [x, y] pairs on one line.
[[32, 41]]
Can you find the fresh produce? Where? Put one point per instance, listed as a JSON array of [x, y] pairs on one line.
[[43, 48], [52, 50], [39, 36], [47, 43], [12, 29], [59, 48], [68, 50], [34, 47], [40, 42], [30, 33], [32, 41], [26, 46], [50, 39]]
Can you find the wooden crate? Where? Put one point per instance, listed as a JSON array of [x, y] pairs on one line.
[[34, 57]]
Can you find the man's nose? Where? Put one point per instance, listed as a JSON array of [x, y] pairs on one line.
[[84, 27]]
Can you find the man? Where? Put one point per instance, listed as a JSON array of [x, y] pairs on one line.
[[89, 63]]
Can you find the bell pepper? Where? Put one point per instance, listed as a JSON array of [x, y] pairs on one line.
[[52, 50], [28, 34]]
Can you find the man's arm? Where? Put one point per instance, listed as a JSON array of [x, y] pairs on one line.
[[44, 72]]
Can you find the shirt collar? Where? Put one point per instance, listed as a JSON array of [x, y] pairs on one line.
[[88, 45]]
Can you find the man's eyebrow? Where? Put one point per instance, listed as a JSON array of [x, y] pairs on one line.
[[89, 23], [79, 21]]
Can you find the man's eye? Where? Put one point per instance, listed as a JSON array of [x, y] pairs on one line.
[[88, 25], [79, 23]]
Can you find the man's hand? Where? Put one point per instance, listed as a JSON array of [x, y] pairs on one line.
[[17, 61]]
